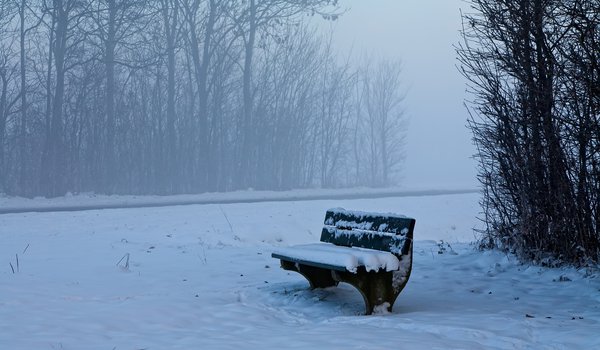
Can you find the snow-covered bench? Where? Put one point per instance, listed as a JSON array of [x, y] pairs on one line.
[[370, 251]]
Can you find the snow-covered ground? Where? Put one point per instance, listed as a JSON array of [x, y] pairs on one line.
[[201, 277]]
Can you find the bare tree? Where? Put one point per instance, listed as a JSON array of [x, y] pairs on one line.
[[116, 26], [7, 77], [66, 18], [261, 15], [202, 49], [383, 120], [23, 75], [336, 105]]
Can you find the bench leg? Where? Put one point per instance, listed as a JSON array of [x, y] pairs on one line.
[[318, 278], [375, 287]]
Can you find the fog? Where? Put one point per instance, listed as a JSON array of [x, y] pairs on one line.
[[422, 35], [189, 96]]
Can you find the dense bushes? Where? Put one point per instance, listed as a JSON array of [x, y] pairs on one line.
[[533, 68]]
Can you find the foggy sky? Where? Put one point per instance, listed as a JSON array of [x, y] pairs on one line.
[[420, 33]]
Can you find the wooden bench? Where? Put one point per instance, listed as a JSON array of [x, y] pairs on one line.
[[370, 251]]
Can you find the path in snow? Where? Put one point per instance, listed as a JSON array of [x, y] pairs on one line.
[[15, 205]]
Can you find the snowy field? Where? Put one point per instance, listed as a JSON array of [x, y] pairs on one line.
[[201, 277]]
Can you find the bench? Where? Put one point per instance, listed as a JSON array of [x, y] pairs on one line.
[[370, 251]]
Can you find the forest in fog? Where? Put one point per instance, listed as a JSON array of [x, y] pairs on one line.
[[189, 96]]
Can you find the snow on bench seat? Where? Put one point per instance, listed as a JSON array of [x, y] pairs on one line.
[[370, 251], [338, 257]]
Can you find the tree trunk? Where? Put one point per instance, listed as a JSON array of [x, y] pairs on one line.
[[247, 151], [201, 66], [23, 125], [3, 117], [53, 162], [110, 168], [205, 146], [170, 19]]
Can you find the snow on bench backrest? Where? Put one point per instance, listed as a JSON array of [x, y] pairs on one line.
[[381, 231]]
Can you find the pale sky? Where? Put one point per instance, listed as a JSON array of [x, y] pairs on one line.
[[420, 33]]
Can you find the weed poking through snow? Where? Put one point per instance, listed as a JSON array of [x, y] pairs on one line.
[[445, 247], [124, 265], [17, 266]]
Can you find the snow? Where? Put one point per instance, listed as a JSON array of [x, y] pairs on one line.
[[93, 201], [201, 276], [350, 258], [361, 226], [400, 276], [364, 214]]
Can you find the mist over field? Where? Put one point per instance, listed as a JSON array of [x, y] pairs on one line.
[[421, 36], [190, 96]]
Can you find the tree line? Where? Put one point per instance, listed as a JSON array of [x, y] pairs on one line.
[[188, 96], [534, 72]]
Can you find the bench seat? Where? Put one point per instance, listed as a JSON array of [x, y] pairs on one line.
[[339, 258], [370, 251]]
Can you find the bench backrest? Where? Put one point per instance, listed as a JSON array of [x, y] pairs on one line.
[[387, 232]]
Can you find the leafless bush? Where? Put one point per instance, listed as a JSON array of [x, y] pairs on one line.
[[533, 71]]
